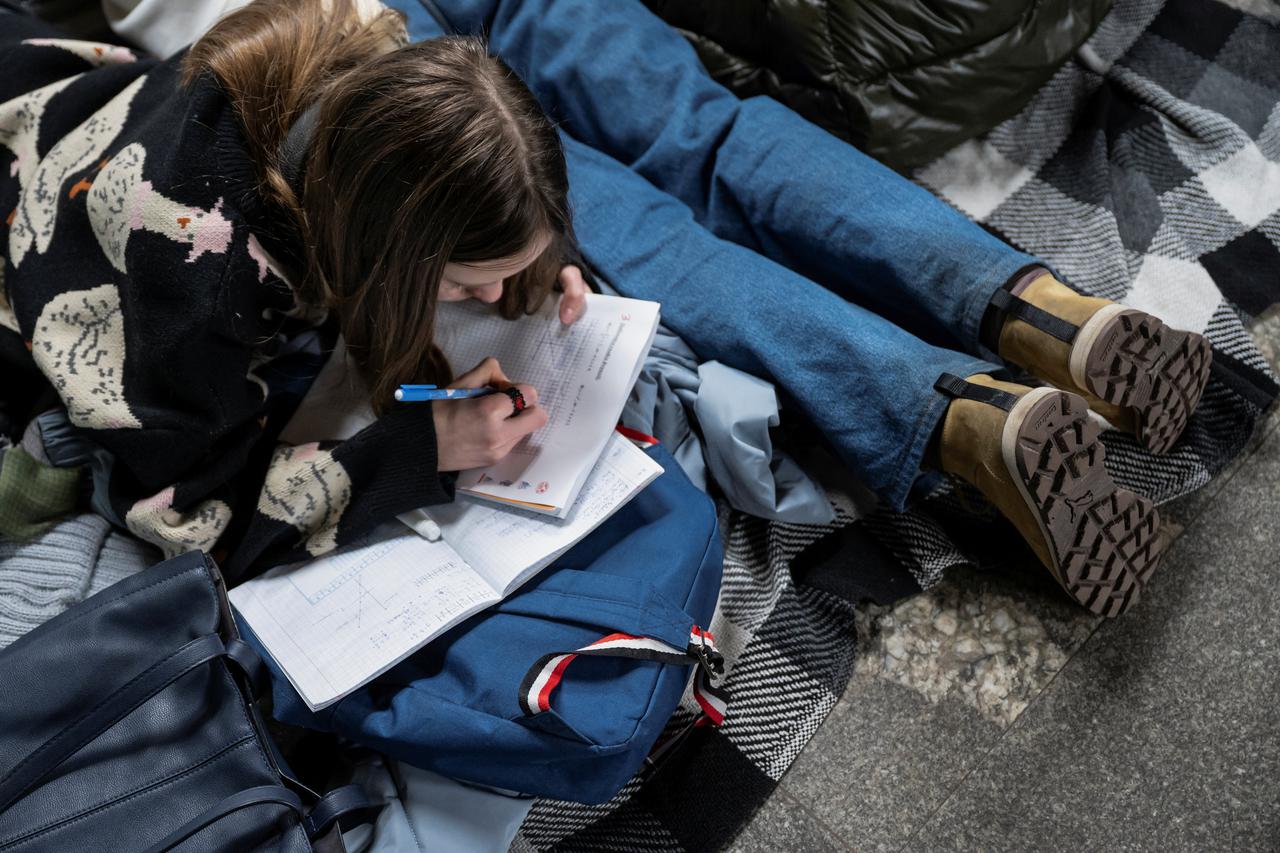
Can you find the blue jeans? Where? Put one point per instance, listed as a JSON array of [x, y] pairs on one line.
[[773, 246]]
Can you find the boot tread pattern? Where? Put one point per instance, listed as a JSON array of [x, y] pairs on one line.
[[1157, 371], [1103, 539]]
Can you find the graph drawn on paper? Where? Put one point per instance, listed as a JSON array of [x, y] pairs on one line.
[[335, 621], [543, 353], [583, 374]]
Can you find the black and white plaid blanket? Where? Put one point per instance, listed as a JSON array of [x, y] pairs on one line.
[[1146, 171]]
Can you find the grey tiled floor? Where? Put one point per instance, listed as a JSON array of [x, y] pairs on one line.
[[1156, 731]]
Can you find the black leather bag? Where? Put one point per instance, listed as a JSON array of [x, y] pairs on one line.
[[127, 723]]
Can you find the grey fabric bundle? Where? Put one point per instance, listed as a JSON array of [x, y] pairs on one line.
[[78, 557]]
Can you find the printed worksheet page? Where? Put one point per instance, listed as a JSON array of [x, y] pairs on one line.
[[341, 620], [583, 373], [507, 546]]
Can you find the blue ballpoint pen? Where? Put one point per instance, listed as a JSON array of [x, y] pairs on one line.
[[423, 393]]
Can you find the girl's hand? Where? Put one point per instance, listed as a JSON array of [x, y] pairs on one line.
[[574, 303], [477, 432]]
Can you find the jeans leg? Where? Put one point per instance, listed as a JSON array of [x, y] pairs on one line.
[[866, 383], [423, 20], [752, 172]]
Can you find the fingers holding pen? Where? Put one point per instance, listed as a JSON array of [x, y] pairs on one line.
[[477, 432], [481, 430], [505, 427]]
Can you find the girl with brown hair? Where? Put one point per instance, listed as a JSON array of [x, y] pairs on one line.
[[190, 267]]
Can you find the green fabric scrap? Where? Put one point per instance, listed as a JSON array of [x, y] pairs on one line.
[[33, 495]]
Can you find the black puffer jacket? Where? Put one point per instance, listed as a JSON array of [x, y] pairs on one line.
[[904, 80]]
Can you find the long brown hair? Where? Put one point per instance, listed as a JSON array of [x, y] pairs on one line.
[[423, 154]]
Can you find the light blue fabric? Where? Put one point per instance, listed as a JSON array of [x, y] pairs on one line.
[[427, 813], [78, 557], [662, 402], [774, 247], [736, 412], [715, 419]]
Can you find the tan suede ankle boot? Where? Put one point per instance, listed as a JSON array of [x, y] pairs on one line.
[[1135, 371], [1034, 453]]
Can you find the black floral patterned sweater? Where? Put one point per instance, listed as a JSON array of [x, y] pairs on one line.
[[139, 281]]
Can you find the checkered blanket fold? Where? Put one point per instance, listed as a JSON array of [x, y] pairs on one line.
[[1146, 171]]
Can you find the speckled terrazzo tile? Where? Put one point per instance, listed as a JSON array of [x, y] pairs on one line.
[[939, 676], [1163, 732], [883, 760], [781, 826], [991, 641]]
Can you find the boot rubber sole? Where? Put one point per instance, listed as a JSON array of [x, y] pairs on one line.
[[1130, 359], [1102, 539]]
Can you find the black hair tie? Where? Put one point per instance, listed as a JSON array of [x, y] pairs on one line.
[[518, 403], [293, 150]]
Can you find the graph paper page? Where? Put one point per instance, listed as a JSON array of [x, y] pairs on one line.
[[583, 373], [341, 620]]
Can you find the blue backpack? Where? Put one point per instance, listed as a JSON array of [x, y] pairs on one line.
[[562, 689]]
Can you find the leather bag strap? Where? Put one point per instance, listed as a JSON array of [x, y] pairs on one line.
[[246, 659], [240, 800], [338, 804], [33, 769]]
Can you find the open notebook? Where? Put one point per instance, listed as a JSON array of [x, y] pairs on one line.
[[339, 621], [583, 373]]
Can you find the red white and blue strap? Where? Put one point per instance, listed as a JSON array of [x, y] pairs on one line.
[[713, 700], [545, 675]]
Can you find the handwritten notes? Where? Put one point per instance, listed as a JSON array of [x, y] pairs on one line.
[[339, 621]]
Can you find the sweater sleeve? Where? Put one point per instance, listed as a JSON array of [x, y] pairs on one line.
[[255, 502], [207, 470], [323, 495]]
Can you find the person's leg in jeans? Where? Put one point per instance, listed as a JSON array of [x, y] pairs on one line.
[[754, 172], [866, 383], [883, 397]]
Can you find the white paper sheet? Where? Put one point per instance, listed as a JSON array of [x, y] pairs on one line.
[[506, 546], [340, 620], [583, 373]]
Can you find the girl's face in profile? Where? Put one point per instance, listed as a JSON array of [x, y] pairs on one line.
[[483, 280]]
